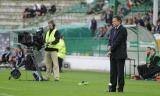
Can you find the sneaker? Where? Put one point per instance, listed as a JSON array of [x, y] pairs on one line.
[[45, 79]]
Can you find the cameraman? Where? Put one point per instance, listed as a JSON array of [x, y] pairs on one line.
[[51, 40]]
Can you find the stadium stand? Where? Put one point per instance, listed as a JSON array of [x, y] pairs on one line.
[[11, 11]]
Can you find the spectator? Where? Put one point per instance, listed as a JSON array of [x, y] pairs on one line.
[[32, 13], [129, 21], [148, 25], [29, 64], [98, 33], [135, 20], [141, 22], [147, 17], [154, 66], [103, 32], [90, 6], [37, 10], [36, 7], [157, 28], [129, 4], [102, 16], [38, 13], [142, 69], [53, 9], [5, 55], [29, 13], [108, 17], [93, 27], [26, 13], [17, 57], [43, 9]]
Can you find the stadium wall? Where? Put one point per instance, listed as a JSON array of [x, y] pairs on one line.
[[88, 63], [92, 63]]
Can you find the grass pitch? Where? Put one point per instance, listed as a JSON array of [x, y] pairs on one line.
[[68, 85]]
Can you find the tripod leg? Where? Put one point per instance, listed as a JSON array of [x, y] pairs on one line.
[[36, 76], [37, 68], [26, 75]]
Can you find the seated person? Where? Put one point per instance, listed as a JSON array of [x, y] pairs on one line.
[[53, 9], [5, 56], [43, 9], [142, 69], [17, 57], [29, 64], [154, 66]]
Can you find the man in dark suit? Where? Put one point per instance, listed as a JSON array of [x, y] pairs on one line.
[[118, 53]]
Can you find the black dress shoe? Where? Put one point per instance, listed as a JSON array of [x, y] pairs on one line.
[[113, 91], [120, 90]]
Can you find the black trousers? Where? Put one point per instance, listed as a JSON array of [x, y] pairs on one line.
[[117, 73], [151, 72], [142, 69], [60, 62]]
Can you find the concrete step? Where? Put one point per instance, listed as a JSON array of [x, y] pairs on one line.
[[11, 23], [11, 16], [11, 10], [45, 2], [10, 13], [11, 20]]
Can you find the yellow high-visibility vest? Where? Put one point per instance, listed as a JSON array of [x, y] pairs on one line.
[[50, 38], [61, 49]]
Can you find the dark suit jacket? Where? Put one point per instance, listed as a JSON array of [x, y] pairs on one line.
[[118, 43], [154, 60]]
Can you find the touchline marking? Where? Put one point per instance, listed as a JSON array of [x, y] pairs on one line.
[[8, 88], [5, 94]]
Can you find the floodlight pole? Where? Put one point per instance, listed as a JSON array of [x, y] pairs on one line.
[[155, 11], [137, 44]]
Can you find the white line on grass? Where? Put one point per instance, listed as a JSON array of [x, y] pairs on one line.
[[5, 94], [7, 88]]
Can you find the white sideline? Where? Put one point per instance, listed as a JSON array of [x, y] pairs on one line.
[[5, 94]]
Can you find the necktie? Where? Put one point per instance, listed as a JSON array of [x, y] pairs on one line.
[[114, 33], [113, 36]]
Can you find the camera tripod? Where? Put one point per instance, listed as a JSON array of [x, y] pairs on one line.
[[33, 53]]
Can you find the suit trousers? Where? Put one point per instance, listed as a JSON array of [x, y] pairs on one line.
[[117, 73], [51, 56]]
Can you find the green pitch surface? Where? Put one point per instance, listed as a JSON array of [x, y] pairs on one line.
[[68, 85]]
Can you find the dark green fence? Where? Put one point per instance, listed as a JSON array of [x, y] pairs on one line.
[[86, 46]]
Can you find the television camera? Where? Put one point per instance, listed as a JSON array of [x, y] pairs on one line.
[[34, 40]]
